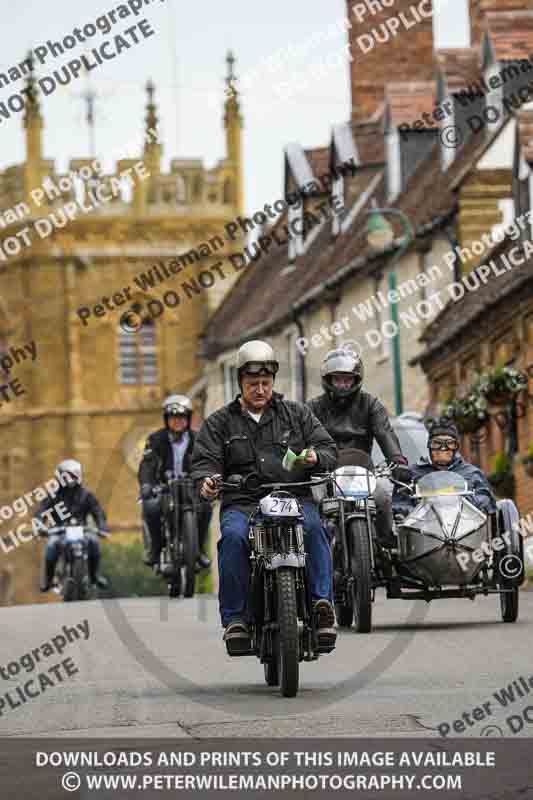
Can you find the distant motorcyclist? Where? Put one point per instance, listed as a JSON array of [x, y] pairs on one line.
[[81, 504], [252, 435], [170, 449], [443, 446], [354, 418]]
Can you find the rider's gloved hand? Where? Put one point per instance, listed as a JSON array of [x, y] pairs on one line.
[[146, 491], [402, 473]]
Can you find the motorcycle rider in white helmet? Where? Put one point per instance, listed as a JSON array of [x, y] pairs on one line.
[[354, 418], [251, 435], [80, 503], [170, 449]]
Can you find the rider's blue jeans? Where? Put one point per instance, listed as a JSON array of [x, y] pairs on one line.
[[234, 566], [55, 543]]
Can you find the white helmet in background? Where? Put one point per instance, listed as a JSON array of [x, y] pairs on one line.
[[177, 404], [256, 357], [71, 469]]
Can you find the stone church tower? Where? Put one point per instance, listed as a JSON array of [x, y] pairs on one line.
[[95, 387]]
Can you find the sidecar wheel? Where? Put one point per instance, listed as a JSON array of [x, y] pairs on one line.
[[509, 605], [362, 573]]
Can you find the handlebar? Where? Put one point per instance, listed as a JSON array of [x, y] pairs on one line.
[[59, 530], [251, 483]]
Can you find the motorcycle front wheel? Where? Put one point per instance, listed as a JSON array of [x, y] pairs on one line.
[[190, 552], [362, 575], [288, 643]]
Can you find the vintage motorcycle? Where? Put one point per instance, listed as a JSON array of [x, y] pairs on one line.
[[72, 575], [180, 534], [282, 623], [445, 547]]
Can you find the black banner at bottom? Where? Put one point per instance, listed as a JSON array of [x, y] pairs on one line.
[[399, 769]]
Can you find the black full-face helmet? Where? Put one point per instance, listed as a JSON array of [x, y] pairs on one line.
[[346, 361]]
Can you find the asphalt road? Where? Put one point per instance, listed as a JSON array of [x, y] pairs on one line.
[[154, 667]]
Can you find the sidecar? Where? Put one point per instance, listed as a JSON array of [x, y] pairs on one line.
[[449, 548]]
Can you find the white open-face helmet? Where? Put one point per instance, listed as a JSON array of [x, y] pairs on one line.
[[177, 405], [256, 357], [71, 469], [345, 360]]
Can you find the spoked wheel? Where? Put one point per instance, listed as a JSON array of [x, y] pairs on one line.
[[362, 574], [288, 632], [174, 585], [74, 586], [190, 552], [272, 667], [509, 605]]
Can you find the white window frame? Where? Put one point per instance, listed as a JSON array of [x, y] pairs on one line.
[[231, 384], [337, 193], [394, 165], [494, 97], [296, 243], [447, 153]]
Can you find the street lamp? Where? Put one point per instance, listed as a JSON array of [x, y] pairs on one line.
[[380, 236]]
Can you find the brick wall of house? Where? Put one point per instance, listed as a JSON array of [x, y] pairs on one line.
[[405, 56]]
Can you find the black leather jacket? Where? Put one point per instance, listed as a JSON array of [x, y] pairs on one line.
[[80, 503], [230, 441], [158, 457], [357, 423]]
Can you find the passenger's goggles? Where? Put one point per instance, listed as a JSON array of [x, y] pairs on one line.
[[260, 367], [444, 444]]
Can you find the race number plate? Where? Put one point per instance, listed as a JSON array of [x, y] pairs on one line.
[[279, 506]]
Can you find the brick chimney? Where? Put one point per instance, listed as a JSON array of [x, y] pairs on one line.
[[478, 8], [387, 43]]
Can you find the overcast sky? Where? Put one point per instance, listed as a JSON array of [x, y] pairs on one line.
[[186, 60]]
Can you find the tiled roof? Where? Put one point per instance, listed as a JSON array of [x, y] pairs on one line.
[[458, 316], [266, 293], [459, 66], [408, 101], [511, 34], [368, 137]]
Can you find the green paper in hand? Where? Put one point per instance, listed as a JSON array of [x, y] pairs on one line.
[[291, 459]]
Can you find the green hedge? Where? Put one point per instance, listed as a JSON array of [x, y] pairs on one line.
[[122, 565]]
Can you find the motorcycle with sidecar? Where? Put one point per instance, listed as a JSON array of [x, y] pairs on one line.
[[444, 547]]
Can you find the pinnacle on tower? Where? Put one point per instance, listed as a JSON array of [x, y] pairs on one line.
[[33, 108], [151, 109], [232, 95]]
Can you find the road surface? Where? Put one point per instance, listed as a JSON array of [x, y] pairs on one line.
[[155, 667]]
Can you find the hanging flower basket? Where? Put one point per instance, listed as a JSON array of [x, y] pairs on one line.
[[501, 384]]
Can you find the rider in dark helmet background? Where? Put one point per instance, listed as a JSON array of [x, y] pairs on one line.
[[169, 449], [81, 504], [354, 418]]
